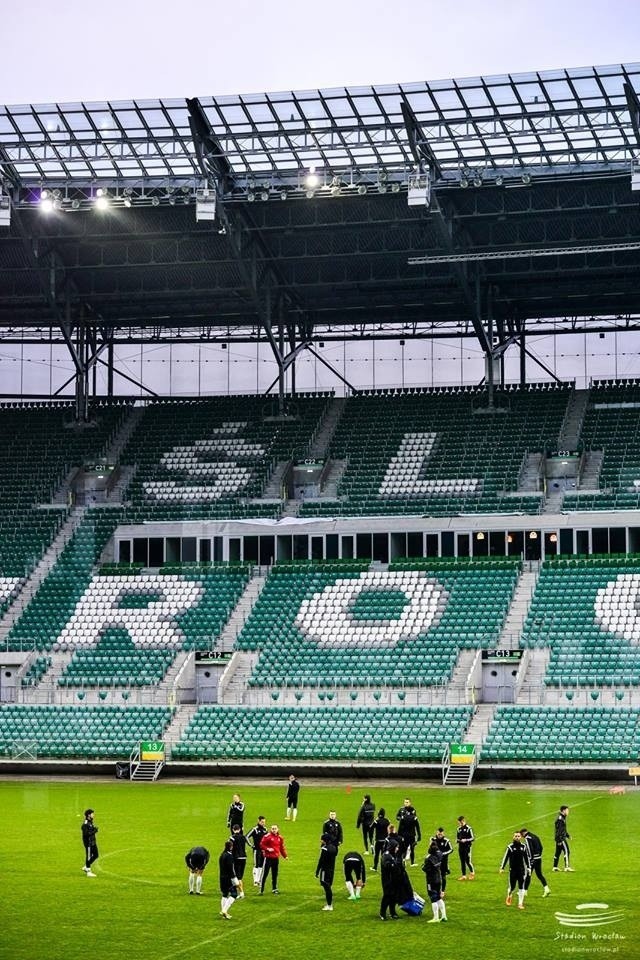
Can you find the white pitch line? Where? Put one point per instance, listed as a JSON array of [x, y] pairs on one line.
[[543, 816], [228, 930]]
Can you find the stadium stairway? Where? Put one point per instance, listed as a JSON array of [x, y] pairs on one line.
[[461, 775], [553, 502], [273, 489], [573, 420], [234, 684], [241, 613], [327, 428], [461, 675], [167, 686], [42, 570], [480, 723], [530, 480], [48, 690], [519, 608], [175, 730], [590, 477], [535, 668], [333, 476]]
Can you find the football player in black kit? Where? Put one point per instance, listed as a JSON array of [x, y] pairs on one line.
[[534, 846], [517, 856], [444, 848], [464, 839], [253, 837]]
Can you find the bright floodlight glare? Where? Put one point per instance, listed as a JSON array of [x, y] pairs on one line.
[[100, 192], [102, 203], [127, 201], [312, 179], [46, 204]]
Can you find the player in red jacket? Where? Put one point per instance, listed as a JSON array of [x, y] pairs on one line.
[[272, 846]]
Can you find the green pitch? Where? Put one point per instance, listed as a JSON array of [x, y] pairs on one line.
[[138, 905]]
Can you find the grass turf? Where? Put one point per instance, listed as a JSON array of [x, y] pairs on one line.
[[139, 907]]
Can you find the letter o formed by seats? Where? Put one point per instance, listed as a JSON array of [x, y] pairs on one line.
[[327, 617]]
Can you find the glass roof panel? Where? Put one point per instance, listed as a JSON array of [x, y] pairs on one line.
[[559, 90], [491, 120], [313, 110], [475, 97], [340, 108], [447, 100], [503, 94], [27, 123]]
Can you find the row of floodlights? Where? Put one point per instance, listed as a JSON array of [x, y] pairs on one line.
[[312, 183], [102, 199], [475, 180]]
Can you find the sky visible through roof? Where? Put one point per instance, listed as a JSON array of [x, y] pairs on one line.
[[132, 49]]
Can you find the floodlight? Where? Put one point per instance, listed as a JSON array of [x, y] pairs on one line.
[[464, 183], [312, 179], [102, 203], [264, 195], [46, 203], [477, 180], [75, 204], [526, 178], [499, 181], [251, 196], [395, 188], [283, 194], [362, 189], [310, 194], [382, 188], [155, 201]]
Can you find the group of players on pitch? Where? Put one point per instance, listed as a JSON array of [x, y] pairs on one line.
[[393, 848]]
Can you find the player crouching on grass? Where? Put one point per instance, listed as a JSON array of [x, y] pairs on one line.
[[196, 860], [354, 874], [517, 856]]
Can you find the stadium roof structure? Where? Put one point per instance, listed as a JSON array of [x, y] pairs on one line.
[[479, 206]]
